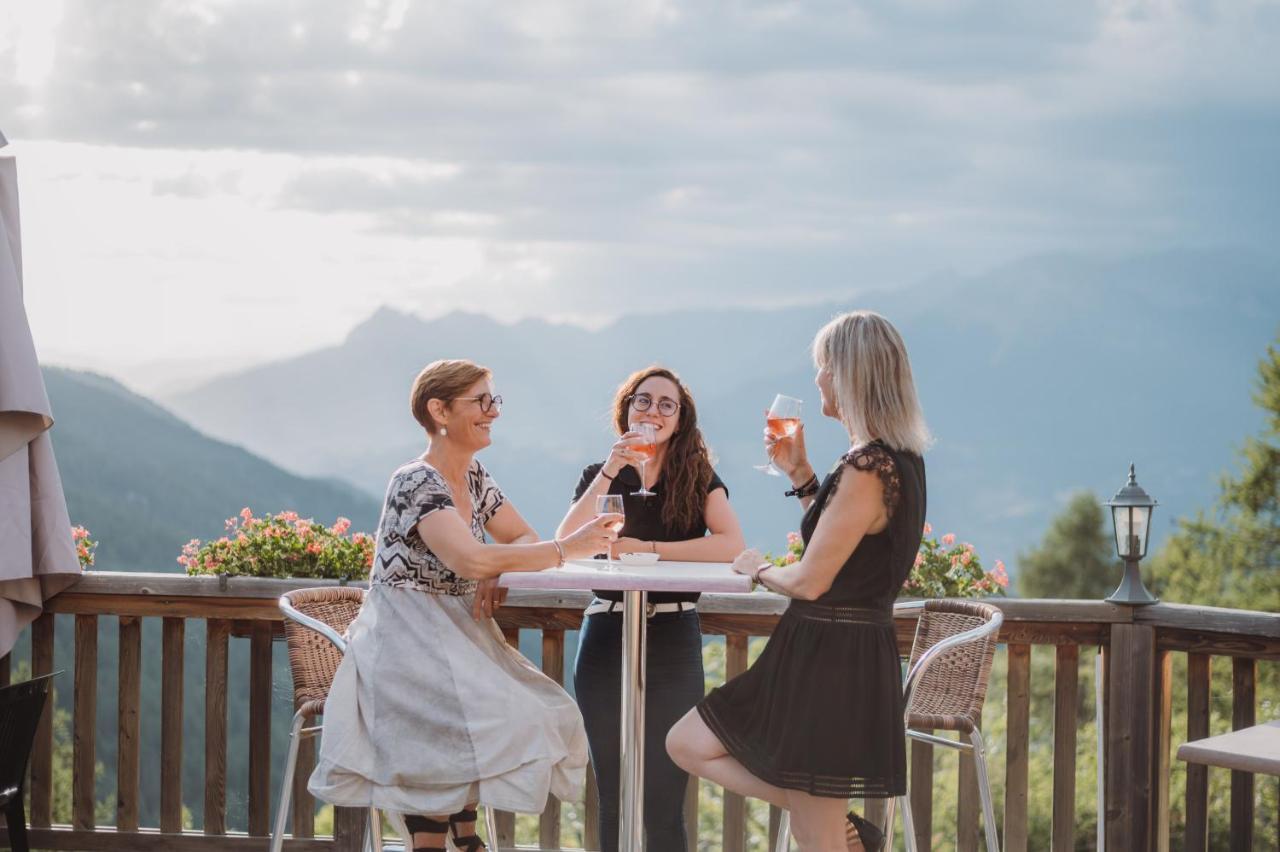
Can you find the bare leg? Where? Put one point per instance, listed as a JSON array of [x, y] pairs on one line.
[[699, 752], [818, 823]]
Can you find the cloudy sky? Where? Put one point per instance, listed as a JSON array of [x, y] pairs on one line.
[[232, 181]]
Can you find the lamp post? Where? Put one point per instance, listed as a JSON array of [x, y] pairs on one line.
[[1131, 515]]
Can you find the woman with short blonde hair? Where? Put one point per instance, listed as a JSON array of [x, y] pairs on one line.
[[818, 719]]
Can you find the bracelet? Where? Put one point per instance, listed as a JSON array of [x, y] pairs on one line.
[[807, 490], [560, 551], [755, 575], [605, 475]]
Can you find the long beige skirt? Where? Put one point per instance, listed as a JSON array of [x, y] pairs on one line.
[[431, 710]]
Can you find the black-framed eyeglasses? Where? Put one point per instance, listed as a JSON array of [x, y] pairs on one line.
[[643, 402], [487, 401]]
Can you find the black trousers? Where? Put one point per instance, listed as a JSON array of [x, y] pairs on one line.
[[674, 685]]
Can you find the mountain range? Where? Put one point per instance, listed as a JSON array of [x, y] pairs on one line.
[[1038, 379], [144, 482]]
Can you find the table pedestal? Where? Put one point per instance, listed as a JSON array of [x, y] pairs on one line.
[[631, 808]]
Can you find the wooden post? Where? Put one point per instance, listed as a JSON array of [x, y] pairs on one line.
[[260, 729], [1243, 672], [348, 829], [1197, 804], [1130, 735], [171, 725], [922, 793], [505, 821], [1017, 748], [127, 729], [217, 632], [735, 806], [42, 750], [552, 667], [1160, 768], [1065, 700], [85, 722]]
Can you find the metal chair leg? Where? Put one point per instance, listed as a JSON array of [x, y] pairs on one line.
[[984, 790], [888, 822], [908, 824], [373, 832], [286, 783], [16, 819], [491, 827], [783, 843]]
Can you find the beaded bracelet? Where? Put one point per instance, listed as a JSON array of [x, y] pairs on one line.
[[807, 490]]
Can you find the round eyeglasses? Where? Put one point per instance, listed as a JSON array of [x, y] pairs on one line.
[[643, 402], [487, 402]]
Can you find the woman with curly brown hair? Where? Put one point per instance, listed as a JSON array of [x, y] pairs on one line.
[[687, 519]]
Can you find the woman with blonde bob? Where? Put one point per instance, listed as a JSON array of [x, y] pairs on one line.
[[431, 712], [818, 719]]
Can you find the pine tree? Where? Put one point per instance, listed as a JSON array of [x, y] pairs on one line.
[[1076, 558]]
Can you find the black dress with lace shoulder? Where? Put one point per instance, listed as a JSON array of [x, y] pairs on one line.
[[821, 709]]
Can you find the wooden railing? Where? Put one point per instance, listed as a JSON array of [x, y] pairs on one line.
[[1137, 646]]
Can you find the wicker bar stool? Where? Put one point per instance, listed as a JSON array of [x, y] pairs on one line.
[[314, 624], [945, 688]]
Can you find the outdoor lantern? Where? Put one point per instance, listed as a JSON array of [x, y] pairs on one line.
[[1131, 514]]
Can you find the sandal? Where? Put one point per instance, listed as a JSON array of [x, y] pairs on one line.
[[423, 825], [867, 833], [468, 842]]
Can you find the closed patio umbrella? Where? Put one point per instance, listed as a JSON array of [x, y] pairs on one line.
[[37, 555]]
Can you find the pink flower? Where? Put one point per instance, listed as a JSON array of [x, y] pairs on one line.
[[948, 540], [288, 516], [967, 546], [919, 560], [966, 557], [955, 560], [230, 523], [304, 529], [314, 547], [1000, 575], [790, 559], [341, 526], [928, 528], [793, 538], [78, 533], [245, 514], [242, 538]]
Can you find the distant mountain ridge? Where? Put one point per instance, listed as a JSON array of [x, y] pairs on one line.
[[1038, 379], [144, 482]]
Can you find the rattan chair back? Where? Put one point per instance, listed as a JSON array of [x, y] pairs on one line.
[[313, 659], [950, 694]]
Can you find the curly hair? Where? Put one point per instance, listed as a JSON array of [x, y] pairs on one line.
[[686, 466]]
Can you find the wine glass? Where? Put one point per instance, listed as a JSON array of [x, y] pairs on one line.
[[647, 449], [610, 504], [782, 421]]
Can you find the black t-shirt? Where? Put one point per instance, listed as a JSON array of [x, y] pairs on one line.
[[644, 519]]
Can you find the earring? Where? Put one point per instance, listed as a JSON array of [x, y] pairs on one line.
[[443, 431]]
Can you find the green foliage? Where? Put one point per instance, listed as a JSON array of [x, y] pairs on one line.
[[1230, 556], [282, 545], [1076, 559]]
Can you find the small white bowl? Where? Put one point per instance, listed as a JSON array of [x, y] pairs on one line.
[[638, 558]]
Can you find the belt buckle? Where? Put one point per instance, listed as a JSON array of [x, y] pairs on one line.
[[650, 609]]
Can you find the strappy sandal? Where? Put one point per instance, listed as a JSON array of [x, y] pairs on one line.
[[469, 842], [422, 825], [871, 837]]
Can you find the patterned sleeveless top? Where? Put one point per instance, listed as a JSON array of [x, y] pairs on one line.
[[402, 559]]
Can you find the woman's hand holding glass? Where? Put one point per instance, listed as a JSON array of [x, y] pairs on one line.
[[594, 537], [623, 453], [787, 453]]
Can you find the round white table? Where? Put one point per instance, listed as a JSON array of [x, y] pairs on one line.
[[635, 582]]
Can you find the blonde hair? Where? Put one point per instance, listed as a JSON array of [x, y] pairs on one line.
[[444, 380], [871, 374]]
